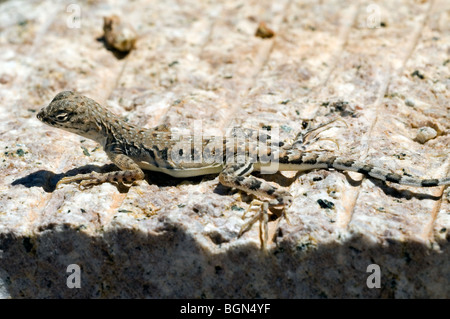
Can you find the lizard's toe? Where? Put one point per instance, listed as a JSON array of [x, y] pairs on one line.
[[65, 180], [263, 218], [86, 184]]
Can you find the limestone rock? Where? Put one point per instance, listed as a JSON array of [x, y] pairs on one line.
[[199, 60]]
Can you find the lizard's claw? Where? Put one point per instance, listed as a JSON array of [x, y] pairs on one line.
[[317, 130], [86, 184], [331, 140], [317, 139], [285, 215], [65, 180], [262, 215]]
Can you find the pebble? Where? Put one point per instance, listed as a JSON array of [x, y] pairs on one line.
[[263, 31], [410, 102], [119, 35], [425, 134]]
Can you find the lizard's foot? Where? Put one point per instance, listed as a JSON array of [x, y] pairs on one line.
[[237, 175], [262, 216], [317, 139], [86, 180], [311, 135]]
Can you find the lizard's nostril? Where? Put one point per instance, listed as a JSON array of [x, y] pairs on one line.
[[40, 115]]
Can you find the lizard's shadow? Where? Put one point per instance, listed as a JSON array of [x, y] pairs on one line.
[[48, 180], [117, 54]]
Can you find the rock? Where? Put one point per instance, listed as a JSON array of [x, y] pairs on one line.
[[118, 34], [263, 31], [424, 134], [172, 238]]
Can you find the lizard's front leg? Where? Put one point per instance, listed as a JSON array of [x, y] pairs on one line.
[[129, 173], [238, 176]]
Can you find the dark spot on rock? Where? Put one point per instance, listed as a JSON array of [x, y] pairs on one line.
[[325, 204], [418, 74]]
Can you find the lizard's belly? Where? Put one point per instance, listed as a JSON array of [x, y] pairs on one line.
[[181, 172]]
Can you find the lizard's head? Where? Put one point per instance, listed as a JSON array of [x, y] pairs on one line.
[[74, 113], [65, 111]]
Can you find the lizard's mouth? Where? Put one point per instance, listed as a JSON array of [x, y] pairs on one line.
[[40, 115], [43, 117]]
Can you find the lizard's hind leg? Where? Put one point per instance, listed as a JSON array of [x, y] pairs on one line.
[[311, 134], [238, 176]]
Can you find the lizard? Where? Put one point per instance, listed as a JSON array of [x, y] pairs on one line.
[[134, 150]]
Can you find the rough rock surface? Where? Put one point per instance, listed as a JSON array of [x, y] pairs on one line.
[[382, 66]]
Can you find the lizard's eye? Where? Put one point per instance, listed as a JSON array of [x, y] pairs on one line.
[[304, 124], [61, 117]]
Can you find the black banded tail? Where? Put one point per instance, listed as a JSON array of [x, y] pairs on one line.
[[386, 175], [297, 160]]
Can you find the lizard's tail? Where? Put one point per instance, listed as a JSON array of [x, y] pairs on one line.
[[386, 175], [297, 160]]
